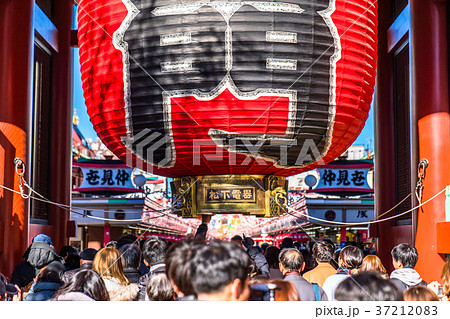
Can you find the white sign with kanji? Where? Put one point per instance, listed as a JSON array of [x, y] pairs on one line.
[[359, 215], [102, 178], [350, 179]]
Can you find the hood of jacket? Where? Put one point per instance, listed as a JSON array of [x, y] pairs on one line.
[[44, 286], [41, 254], [42, 291], [407, 275]]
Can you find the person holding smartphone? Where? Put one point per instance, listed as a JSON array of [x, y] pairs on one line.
[[443, 291]]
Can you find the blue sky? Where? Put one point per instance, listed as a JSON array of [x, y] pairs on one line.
[[78, 103], [365, 137]]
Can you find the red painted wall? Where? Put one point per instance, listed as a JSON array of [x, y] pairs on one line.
[[16, 68], [430, 121], [15, 81]]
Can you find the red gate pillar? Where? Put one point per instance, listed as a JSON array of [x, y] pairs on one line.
[[431, 108], [15, 77], [384, 144], [61, 155]]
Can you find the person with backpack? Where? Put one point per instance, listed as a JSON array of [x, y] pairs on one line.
[[291, 265]]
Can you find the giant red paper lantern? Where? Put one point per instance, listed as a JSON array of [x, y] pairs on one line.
[[228, 87]]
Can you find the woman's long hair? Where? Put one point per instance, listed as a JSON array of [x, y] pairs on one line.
[[108, 262], [87, 282], [446, 278]]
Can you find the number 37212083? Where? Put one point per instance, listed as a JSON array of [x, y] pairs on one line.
[[406, 310]]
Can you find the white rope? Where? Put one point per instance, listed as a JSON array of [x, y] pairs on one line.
[[368, 222], [74, 209]]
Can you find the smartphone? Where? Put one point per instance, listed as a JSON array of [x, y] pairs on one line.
[[440, 291]]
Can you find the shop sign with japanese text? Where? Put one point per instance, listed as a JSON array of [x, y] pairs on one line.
[[344, 179], [228, 194], [101, 178]]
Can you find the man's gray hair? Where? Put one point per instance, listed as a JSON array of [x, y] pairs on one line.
[[291, 259]]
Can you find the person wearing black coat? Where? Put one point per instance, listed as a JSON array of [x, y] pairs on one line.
[[131, 254], [38, 255], [86, 259], [23, 273], [257, 256], [42, 253]]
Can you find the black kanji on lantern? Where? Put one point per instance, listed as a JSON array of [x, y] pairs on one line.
[[92, 177]]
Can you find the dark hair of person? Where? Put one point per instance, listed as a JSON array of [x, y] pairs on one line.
[[236, 238], [154, 250], [367, 286], [323, 251], [291, 259], [68, 250], [328, 240], [159, 288], [287, 242], [141, 243], [309, 260], [177, 262], [131, 255], [48, 275], [127, 239], [72, 262], [271, 254], [216, 265], [419, 293], [351, 257], [88, 282], [406, 254]]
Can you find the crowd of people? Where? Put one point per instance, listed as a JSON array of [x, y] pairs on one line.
[[155, 269]]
